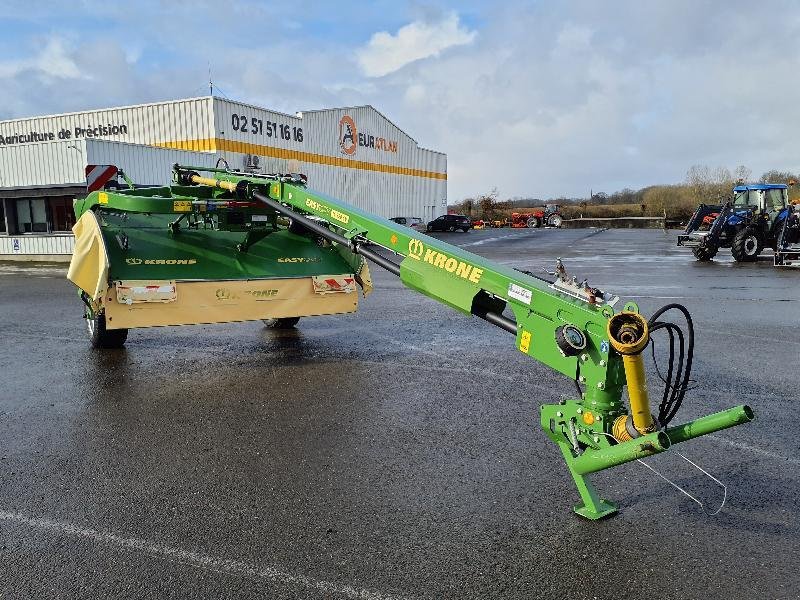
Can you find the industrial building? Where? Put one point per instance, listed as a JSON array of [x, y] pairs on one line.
[[352, 153]]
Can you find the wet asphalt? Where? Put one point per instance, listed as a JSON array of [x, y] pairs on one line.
[[394, 453]]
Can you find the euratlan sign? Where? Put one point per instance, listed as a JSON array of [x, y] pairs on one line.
[[350, 138], [89, 131]]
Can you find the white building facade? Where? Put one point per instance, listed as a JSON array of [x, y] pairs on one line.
[[354, 153]]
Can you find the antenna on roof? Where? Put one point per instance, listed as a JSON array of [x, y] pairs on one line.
[[210, 82]]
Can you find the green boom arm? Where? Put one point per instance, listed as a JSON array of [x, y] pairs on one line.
[[563, 324]]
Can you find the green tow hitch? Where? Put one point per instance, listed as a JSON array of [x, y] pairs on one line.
[[710, 423], [593, 460], [588, 448]]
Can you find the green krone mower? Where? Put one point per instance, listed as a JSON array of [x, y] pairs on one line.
[[219, 246]]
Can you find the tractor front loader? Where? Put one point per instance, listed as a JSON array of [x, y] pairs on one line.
[[787, 250], [228, 245], [751, 221]]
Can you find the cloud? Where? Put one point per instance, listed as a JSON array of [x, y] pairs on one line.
[[52, 60], [557, 98], [536, 98], [386, 53]]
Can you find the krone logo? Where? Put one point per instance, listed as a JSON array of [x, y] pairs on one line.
[[415, 249], [133, 261], [348, 135]]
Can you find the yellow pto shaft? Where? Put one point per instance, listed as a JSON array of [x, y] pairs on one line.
[[629, 335], [224, 185]]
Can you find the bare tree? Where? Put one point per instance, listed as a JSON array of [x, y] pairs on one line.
[[699, 179], [742, 173], [486, 204], [775, 176]]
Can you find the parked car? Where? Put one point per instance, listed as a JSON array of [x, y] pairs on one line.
[[450, 223], [413, 222]]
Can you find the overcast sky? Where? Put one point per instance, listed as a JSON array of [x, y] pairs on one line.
[[534, 98]]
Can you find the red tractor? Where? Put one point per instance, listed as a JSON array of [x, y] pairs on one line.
[[549, 217]]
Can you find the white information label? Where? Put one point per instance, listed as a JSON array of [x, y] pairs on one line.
[[519, 293]]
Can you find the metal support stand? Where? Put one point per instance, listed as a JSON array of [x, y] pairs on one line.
[[593, 506]]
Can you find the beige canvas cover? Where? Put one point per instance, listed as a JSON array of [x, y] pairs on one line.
[[88, 268]]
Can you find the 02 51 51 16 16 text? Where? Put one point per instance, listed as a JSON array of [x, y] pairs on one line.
[[272, 129]]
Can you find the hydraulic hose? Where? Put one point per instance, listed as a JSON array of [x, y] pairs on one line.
[[678, 374]]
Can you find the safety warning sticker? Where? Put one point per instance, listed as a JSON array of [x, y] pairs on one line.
[[519, 293]]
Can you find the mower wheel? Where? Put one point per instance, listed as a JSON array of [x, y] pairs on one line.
[[747, 245], [705, 253], [534, 223], [285, 323], [100, 337]]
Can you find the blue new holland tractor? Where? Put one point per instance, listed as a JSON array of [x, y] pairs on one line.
[[754, 218]]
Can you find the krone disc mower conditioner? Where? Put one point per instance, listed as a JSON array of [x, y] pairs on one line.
[[228, 246]]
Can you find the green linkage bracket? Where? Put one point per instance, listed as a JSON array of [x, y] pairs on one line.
[[583, 435]]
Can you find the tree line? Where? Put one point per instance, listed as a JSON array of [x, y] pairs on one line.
[[702, 184]]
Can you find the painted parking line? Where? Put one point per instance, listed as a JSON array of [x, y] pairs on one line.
[[195, 559]]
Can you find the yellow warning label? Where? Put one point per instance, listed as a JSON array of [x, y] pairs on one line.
[[525, 342], [102, 198], [182, 206]]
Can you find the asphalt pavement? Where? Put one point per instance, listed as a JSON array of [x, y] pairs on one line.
[[393, 453]]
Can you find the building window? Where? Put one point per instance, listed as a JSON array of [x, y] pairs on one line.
[[31, 215], [62, 215], [2, 215]]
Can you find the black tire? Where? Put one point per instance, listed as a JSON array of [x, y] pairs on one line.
[[704, 253], [285, 323], [747, 245], [428, 228], [534, 223], [465, 229], [451, 228], [100, 337], [554, 221]]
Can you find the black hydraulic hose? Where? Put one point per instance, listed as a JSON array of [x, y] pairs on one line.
[[379, 260], [677, 381], [672, 385], [671, 362]]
